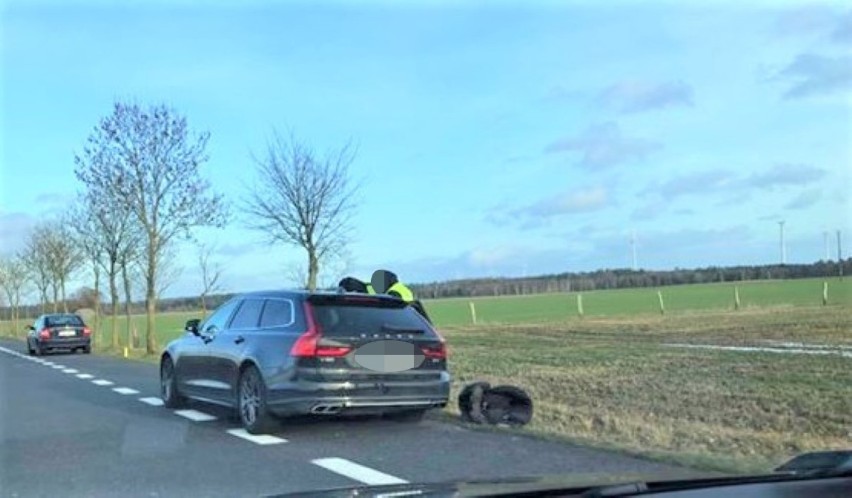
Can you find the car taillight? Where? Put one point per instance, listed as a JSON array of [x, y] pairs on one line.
[[334, 351], [438, 352], [44, 334], [306, 345], [86, 331]]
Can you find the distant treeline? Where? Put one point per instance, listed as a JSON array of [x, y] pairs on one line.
[[623, 279], [562, 282]]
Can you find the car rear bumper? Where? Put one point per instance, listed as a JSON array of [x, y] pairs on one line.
[[329, 398], [71, 343]]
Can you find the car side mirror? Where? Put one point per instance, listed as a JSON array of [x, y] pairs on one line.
[[29, 327], [192, 326]]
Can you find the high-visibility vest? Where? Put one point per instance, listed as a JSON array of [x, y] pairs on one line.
[[404, 292]]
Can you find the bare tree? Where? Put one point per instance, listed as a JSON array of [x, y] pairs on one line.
[[35, 259], [84, 224], [63, 259], [211, 272], [150, 161], [13, 279], [303, 199], [297, 272]]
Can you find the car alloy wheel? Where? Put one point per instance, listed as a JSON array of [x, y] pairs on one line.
[[168, 390], [251, 401]]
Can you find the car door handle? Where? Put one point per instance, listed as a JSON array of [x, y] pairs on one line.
[[239, 340]]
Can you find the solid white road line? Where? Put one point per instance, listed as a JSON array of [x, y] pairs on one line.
[[125, 390], [263, 439], [357, 472], [195, 415], [102, 382], [152, 401], [70, 370], [85, 376]]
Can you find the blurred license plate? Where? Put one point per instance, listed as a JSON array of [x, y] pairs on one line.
[[67, 333]]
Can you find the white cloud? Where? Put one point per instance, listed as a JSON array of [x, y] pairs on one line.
[[632, 96], [812, 74], [604, 145], [14, 229]]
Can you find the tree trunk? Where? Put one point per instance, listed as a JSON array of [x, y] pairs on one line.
[[151, 298], [97, 272], [128, 299], [62, 290], [113, 297], [55, 297], [151, 308], [313, 270]]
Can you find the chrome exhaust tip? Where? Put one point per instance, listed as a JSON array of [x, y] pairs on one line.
[[326, 409]]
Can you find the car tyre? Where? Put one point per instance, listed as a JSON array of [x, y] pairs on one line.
[[87, 350], [251, 402], [168, 385], [30, 350], [406, 415]]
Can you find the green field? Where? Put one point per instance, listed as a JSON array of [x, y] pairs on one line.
[[620, 378], [538, 308]]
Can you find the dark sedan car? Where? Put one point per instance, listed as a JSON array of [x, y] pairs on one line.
[[293, 352], [59, 331]]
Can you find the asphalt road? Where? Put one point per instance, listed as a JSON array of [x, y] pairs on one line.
[[85, 425]]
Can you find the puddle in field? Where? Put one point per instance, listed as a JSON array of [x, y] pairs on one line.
[[777, 347]]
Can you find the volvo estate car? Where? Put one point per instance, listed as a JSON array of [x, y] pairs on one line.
[[283, 353]]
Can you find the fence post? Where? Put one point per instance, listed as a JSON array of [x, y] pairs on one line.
[[736, 297], [472, 312], [580, 305], [662, 306], [825, 293]]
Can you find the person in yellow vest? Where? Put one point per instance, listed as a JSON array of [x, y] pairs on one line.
[[386, 282]]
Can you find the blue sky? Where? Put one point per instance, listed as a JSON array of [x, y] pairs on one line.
[[497, 138]]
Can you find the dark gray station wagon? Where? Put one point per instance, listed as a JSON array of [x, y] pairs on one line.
[[293, 353]]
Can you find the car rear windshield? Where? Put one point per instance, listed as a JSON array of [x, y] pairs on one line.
[[353, 320], [63, 320]]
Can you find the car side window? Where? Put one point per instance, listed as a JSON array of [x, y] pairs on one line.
[[277, 313], [248, 316], [219, 318]]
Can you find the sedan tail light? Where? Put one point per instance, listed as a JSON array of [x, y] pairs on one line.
[[44, 334], [87, 332]]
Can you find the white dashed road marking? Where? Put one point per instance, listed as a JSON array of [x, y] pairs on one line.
[[357, 472], [102, 382], [58, 367], [125, 390], [85, 376], [70, 370], [262, 439], [195, 415], [152, 401]]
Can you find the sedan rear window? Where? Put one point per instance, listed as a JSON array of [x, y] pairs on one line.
[[349, 320], [63, 320]]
